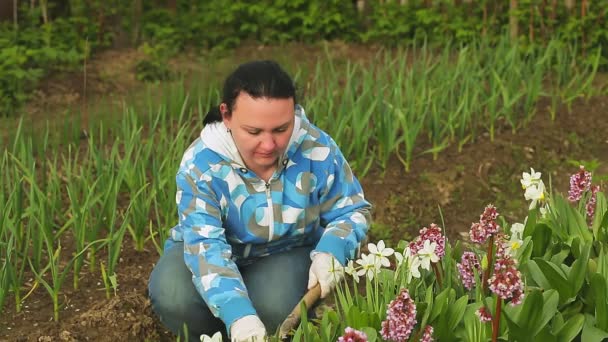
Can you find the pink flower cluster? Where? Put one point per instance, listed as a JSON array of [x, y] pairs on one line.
[[434, 234], [483, 314], [506, 280], [486, 227], [579, 183], [352, 335], [466, 267], [591, 203], [427, 336], [400, 318]]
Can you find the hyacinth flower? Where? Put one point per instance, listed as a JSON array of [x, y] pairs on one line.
[[501, 276], [505, 283], [580, 183], [467, 267], [400, 318], [352, 335], [485, 231], [427, 335]]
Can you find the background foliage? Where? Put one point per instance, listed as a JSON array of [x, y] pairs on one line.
[[42, 36]]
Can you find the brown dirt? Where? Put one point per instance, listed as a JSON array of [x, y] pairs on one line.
[[460, 183]]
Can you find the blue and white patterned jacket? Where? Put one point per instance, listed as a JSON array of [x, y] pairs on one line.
[[228, 216]]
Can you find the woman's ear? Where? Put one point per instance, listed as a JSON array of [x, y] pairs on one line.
[[225, 114], [223, 109]]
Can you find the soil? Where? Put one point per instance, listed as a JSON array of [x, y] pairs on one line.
[[451, 191]]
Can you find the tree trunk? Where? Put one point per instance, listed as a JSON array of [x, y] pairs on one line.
[[531, 24], [484, 28], [45, 12], [15, 15], [172, 6], [360, 5], [570, 4], [513, 28], [138, 8], [583, 14]]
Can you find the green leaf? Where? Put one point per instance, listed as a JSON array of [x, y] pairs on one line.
[[550, 302], [531, 226], [600, 218], [456, 311], [578, 225], [571, 328], [372, 334], [474, 329], [590, 332], [576, 276], [440, 302], [541, 238], [537, 275], [529, 317], [556, 278], [600, 292]]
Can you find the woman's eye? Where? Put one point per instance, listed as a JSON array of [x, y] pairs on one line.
[[254, 132]]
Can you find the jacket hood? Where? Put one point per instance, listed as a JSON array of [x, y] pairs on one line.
[[216, 137]]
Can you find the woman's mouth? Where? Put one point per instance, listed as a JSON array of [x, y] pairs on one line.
[[265, 155]]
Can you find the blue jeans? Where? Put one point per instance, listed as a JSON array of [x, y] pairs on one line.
[[275, 285]]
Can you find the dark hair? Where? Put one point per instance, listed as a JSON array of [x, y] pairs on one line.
[[258, 79]]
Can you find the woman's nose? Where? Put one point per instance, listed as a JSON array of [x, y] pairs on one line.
[[268, 142]]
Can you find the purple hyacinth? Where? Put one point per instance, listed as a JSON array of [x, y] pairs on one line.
[[579, 183], [486, 227], [352, 335], [427, 336], [433, 234], [466, 267], [506, 281], [400, 318], [484, 314]]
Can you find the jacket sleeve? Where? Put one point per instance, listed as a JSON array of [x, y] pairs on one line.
[[345, 214], [207, 253]]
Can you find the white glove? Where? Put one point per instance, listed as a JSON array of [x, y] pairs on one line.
[[248, 328], [217, 337], [325, 270]]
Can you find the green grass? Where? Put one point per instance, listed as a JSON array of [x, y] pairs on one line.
[[58, 190]]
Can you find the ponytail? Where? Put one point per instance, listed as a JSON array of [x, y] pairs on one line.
[[214, 115]]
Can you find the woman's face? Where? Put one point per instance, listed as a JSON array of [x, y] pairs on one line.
[[261, 129]]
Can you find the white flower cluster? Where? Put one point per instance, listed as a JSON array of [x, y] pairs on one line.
[[534, 187], [370, 264]]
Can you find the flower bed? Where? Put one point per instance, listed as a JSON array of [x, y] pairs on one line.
[[541, 280]]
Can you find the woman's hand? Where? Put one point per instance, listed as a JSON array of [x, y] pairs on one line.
[[325, 270], [248, 328]]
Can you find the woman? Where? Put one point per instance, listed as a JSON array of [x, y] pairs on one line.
[[267, 204]]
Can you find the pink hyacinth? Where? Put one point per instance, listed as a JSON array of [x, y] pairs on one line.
[[352, 335], [579, 183], [484, 314], [400, 318], [466, 267], [488, 219], [433, 234], [591, 203], [427, 336], [506, 281], [486, 227]]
